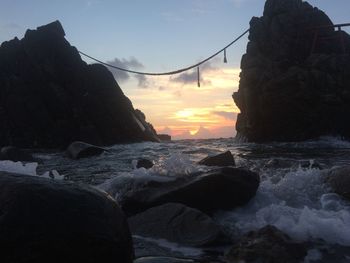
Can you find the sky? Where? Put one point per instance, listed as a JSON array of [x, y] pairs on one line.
[[158, 36]]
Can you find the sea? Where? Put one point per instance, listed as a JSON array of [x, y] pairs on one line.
[[292, 194]]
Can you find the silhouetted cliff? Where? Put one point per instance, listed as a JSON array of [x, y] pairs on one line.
[[295, 85], [50, 97]]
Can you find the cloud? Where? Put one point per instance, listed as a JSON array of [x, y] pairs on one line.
[[226, 114], [133, 64], [143, 81]]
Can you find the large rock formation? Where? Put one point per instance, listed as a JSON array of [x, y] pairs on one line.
[[50, 97], [294, 85]]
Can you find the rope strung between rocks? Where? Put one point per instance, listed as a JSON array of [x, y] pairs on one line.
[[170, 72]]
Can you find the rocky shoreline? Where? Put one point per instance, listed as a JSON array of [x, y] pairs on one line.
[[40, 214]]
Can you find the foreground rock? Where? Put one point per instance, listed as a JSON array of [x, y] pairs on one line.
[[77, 150], [339, 180], [15, 154], [223, 159], [177, 223], [223, 188], [44, 220], [51, 97], [268, 245], [293, 86]]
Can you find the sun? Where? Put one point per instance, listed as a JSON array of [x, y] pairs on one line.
[[184, 113]]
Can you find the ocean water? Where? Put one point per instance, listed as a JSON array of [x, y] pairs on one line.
[[292, 195]]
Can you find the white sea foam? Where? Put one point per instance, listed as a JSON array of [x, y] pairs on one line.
[[299, 204], [27, 169]]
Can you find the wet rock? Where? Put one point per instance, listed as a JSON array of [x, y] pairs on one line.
[[162, 260], [44, 220], [268, 245], [223, 188], [222, 159], [15, 154], [176, 223], [145, 163], [51, 97], [292, 87], [77, 150], [164, 137], [339, 180]]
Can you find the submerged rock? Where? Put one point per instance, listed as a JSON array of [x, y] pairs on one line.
[[294, 86], [51, 97], [15, 154], [77, 150], [223, 188], [268, 245], [44, 220], [145, 163], [222, 159], [176, 223], [339, 180]]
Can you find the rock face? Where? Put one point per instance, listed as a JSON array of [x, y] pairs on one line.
[[294, 86], [50, 97], [266, 245], [177, 223], [223, 188], [43, 220], [223, 159]]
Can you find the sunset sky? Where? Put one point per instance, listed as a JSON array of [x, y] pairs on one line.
[[157, 36]]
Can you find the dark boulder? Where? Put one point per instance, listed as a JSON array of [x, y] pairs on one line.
[[222, 159], [293, 85], [164, 137], [51, 97], [223, 188], [163, 260], [15, 154], [268, 245], [77, 150], [176, 223], [145, 163], [44, 220], [339, 180]]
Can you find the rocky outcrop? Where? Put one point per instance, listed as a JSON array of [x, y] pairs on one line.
[[164, 137], [295, 79], [222, 159], [223, 188], [177, 223], [50, 97], [44, 220]]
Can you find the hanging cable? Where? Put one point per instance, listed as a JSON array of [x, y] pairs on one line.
[[170, 72]]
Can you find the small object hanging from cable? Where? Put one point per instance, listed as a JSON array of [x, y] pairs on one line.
[[198, 78], [225, 58]]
